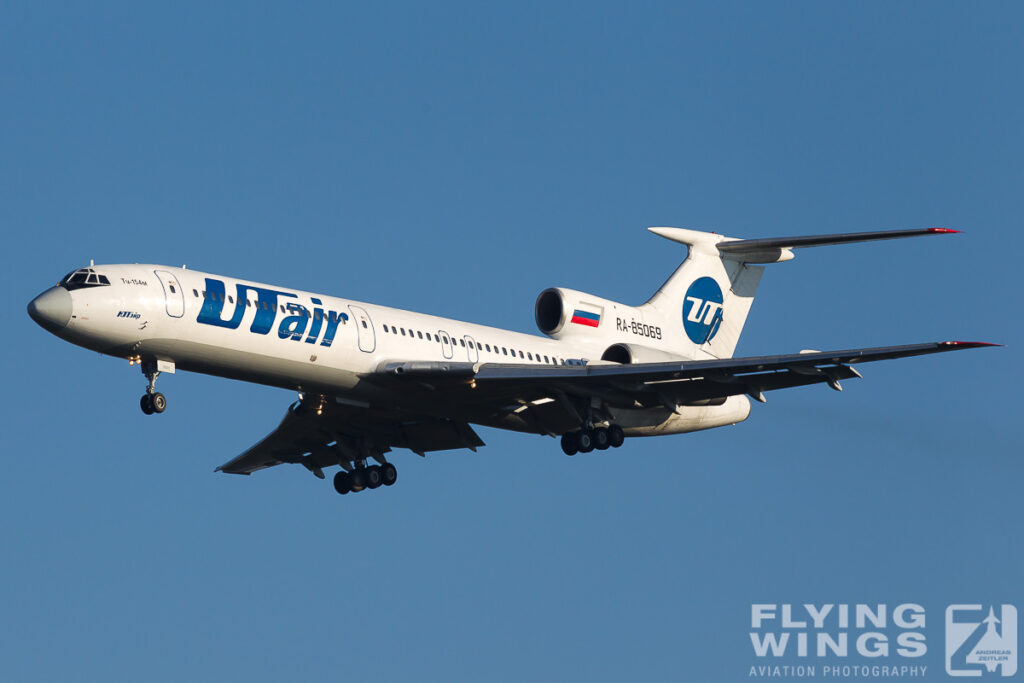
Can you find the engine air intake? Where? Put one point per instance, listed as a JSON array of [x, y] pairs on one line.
[[549, 311]]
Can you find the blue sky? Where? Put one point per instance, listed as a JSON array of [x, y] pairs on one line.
[[458, 159]]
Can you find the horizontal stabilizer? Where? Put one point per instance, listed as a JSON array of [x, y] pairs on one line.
[[821, 240], [777, 248]]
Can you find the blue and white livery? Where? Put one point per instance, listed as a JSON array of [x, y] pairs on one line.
[[372, 378]]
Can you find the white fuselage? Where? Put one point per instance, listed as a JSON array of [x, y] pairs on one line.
[[315, 343]]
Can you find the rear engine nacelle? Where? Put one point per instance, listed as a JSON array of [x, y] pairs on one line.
[[561, 313], [635, 353]]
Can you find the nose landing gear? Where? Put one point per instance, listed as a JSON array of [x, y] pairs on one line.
[[152, 401]]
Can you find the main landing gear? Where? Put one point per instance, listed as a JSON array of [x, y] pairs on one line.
[[363, 477], [152, 401], [587, 440]]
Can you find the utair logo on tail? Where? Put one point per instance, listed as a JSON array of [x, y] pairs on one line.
[[702, 310]]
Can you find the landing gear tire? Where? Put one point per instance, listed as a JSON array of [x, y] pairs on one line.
[[373, 477], [570, 445], [146, 403], [585, 439], [601, 439], [615, 436], [362, 478], [389, 474], [158, 402]]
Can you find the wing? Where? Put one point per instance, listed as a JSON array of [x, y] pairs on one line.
[[538, 398], [331, 433], [643, 385]]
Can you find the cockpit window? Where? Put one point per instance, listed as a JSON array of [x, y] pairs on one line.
[[83, 277]]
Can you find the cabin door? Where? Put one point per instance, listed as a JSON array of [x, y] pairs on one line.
[[173, 296], [364, 328]]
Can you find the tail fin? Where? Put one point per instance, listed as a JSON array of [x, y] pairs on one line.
[[709, 292], [713, 289]]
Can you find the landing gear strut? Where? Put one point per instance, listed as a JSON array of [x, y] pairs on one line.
[[586, 440], [152, 401]]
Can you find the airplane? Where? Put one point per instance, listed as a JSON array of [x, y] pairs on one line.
[[372, 378]]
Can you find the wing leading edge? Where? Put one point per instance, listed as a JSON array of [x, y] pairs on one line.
[[648, 384]]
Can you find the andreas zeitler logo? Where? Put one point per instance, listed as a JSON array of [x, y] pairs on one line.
[[981, 640], [879, 641]]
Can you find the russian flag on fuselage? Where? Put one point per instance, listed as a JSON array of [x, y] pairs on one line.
[[588, 315]]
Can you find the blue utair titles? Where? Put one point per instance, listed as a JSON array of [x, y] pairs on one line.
[[291, 327]]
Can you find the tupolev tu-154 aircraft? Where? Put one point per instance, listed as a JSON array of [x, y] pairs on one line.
[[372, 378]]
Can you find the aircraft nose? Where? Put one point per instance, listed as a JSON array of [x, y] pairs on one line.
[[51, 309]]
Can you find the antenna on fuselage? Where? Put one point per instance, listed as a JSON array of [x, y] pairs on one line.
[[91, 263]]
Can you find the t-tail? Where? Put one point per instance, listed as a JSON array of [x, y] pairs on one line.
[[712, 290]]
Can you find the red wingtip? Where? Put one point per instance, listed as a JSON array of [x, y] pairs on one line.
[[969, 344], [941, 230]]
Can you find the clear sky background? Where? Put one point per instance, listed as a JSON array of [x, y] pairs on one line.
[[457, 159]]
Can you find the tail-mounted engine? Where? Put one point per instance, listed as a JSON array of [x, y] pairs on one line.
[[563, 313], [623, 333]]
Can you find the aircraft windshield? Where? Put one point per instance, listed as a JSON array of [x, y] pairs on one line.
[[83, 277]]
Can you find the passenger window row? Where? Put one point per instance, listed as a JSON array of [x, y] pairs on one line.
[[503, 350], [405, 332]]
